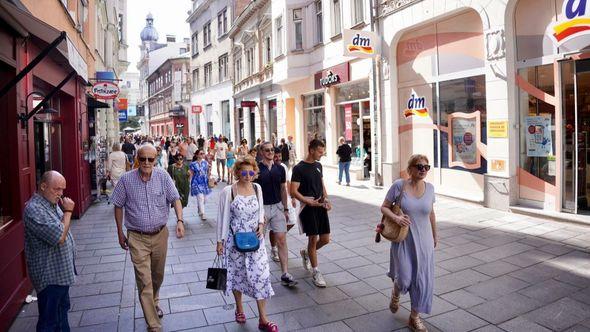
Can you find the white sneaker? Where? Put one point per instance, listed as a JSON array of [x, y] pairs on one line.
[[274, 254], [318, 280], [305, 259], [203, 217]]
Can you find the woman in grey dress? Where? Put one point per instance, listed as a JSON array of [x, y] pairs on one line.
[[412, 260]]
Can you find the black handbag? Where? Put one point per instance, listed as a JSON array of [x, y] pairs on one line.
[[217, 275]]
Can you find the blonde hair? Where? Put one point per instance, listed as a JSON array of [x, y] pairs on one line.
[[116, 147], [414, 159], [245, 161]]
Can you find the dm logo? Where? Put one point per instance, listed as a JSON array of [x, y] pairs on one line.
[[577, 22], [416, 106], [361, 45]]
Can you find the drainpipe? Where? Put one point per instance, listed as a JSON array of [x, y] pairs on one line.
[[376, 114]]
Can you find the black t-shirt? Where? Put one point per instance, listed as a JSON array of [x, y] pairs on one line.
[[270, 181], [284, 153], [128, 148], [344, 152], [201, 143], [309, 177]]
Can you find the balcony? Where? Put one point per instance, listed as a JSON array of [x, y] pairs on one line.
[[263, 76]]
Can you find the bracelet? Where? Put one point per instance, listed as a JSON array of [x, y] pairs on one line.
[[182, 221]]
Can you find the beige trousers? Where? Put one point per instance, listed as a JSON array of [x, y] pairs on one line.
[[148, 254]]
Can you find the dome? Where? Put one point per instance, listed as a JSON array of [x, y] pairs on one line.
[[149, 33]]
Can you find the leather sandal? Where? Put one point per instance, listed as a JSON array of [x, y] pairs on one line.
[[394, 303], [416, 325], [268, 326], [240, 318]]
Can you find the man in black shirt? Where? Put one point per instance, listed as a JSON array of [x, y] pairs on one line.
[[307, 186], [129, 149], [201, 142], [273, 181], [284, 152]]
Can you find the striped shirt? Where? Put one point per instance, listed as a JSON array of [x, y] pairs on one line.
[[146, 203], [48, 262]]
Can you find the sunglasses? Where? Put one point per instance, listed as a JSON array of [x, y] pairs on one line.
[[422, 168], [251, 173], [144, 159], [268, 150]]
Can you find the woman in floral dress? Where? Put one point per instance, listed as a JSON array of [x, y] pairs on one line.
[[241, 209], [200, 172]]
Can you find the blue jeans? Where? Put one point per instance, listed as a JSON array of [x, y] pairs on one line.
[[344, 166], [54, 303]]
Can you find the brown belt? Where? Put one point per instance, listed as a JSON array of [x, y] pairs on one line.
[[158, 230]]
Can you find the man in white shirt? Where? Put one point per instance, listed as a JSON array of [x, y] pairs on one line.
[[192, 148], [220, 157]]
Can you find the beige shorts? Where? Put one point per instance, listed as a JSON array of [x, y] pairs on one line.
[[275, 218]]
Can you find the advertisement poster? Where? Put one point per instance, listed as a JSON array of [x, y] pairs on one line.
[[538, 136], [348, 122], [464, 131]]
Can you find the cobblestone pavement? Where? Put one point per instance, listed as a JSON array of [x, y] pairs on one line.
[[494, 271]]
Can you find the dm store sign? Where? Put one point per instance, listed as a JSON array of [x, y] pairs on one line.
[[359, 44], [416, 107], [575, 24]]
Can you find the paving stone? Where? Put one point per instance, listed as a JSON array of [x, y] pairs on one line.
[[504, 308], [326, 313], [500, 252], [112, 258], [332, 327], [100, 316], [126, 319], [171, 291], [177, 321], [112, 326], [548, 291], [195, 302], [95, 301], [373, 302], [460, 263], [488, 328], [520, 324], [364, 272], [356, 289], [376, 321], [496, 269], [286, 303], [339, 278], [462, 299], [497, 287], [457, 321], [164, 305], [561, 314], [219, 315], [457, 280], [327, 295], [529, 258], [536, 273]]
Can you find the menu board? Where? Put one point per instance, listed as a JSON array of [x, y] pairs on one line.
[[464, 133]]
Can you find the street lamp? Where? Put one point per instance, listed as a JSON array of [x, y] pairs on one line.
[[43, 108]]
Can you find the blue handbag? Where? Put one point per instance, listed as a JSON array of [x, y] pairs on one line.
[[246, 241]]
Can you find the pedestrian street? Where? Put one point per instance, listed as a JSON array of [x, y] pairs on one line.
[[495, 271]]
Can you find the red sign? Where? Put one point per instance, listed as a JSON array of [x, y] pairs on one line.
[[348, 122], [333, 75], [197, 109], [105, 90], [122, 104], [248, 103]]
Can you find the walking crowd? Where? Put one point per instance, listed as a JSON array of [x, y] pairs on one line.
[[267, 190]]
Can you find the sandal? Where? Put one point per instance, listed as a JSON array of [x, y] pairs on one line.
[[416, 325], [394, 303], [268, 326], [240, 318]]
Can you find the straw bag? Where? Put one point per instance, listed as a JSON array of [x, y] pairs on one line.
[[391, 230]]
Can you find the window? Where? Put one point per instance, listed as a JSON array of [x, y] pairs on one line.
[[196, 79], [267, 50], [222, 68], [82, 14], [250, 61], [222, 23], [207, 34], [298, 22], [208, 71], [319, 34], [336, 18], [358, 13], [195, 44], [279, 35], [315, 118], [238, 68]]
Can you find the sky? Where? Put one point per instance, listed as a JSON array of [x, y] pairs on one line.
[[169, 19]]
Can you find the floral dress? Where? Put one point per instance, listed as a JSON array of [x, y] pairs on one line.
[[247, 272], [200, 180]]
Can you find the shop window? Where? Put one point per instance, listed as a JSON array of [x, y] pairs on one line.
[[315, 117], [353, 117], [537, 125], [356, 91]]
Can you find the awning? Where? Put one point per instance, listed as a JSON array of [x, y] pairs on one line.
[[26, 24], [93, 103]]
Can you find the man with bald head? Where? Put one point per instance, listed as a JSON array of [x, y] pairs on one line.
[[49, 250], [145, 195]]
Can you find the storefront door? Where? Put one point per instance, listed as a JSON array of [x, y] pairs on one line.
[[576, 139]]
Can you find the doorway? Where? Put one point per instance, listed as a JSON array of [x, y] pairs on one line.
[[576, 135]]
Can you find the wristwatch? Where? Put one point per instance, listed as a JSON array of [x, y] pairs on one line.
[[180, 220]]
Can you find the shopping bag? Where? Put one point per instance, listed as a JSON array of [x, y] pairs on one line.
[[216, 275]]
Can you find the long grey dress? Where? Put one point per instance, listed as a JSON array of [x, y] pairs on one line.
[[411, 263]]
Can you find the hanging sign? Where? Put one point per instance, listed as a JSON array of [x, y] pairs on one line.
[[122, 104], [359, 43], [197, 109], [416, 106], [248, 103], [464, 134], [123, 116], [348, 122], [538, 136], [105, 90], [575, 24]]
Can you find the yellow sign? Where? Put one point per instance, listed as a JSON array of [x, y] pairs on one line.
[[498, 129], [498, 165]]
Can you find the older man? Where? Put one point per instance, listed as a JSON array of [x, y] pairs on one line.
[[49, 251], [146, 194]]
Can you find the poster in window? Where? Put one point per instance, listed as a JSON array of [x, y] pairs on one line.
[[538, 136], [465, 134], [348, 122]]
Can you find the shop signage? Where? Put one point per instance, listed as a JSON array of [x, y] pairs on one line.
[[498, 165], [538, 136], [197, 109], [348, 122], [416, 106], [123, 115], [105, 90], [498, 129], [333, 75], [122, 104], [132, 110], [360, 44], [392, 6], [575, 24], [464, 134], [248, 103]]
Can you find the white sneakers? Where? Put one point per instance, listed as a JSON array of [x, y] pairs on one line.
[[274, 254], [318, 279], [305, 259]]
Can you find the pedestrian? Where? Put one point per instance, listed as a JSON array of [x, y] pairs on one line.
[[145, 195], [292, 152], [220, 157], [344, 153], [231, 159], [212, 143], [172, 152], [161, 158], [180, 174], [201, 142], [116, 164], [242, 150], [307, 186], [192, 149], [49, 251], [411, 265], [183, 148], [200, 172], [272, 178], [129, 149], [284, 152], [241, 209], [291, 202], [253, 153]]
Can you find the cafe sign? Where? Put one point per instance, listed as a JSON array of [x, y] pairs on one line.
[[575, 24], [105, 90], [333, 75]]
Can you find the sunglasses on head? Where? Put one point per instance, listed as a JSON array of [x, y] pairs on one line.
[[422, 167], [144, 159], [251, 173]]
